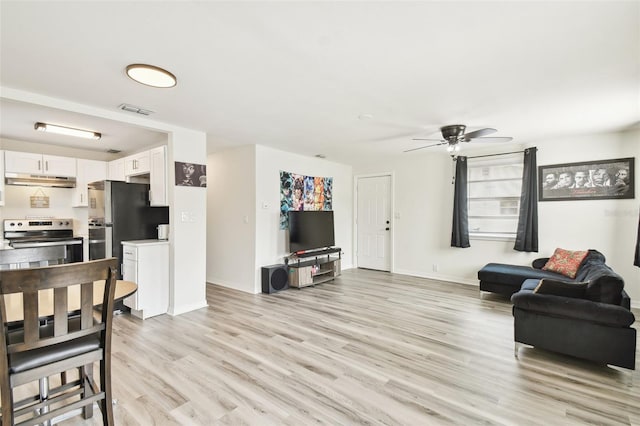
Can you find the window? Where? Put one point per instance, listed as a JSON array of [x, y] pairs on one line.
[[494, 196]]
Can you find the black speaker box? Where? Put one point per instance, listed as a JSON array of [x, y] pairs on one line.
[[275, 278]]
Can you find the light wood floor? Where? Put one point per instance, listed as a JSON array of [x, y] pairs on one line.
[[367, 348]]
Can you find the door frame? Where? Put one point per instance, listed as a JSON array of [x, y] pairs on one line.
[[356, 178]]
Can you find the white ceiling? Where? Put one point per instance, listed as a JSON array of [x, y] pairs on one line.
[[296, 76]]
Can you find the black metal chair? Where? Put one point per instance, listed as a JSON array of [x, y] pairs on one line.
[[68, 342]]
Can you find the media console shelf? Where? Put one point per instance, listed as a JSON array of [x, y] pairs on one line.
[[313, 268]]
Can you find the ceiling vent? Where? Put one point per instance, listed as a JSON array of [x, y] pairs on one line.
[[137, 110], [113, 151]]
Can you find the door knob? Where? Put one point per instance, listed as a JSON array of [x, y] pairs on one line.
[[386, 229]]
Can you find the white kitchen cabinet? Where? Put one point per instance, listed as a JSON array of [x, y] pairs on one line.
[[146, 262], [2, 196], [88, 171], [137, 164], [158, 176], [116, 170], [30, 163]]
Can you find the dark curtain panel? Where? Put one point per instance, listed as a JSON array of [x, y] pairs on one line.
[[527, 234], [637, 258], [460, 229]]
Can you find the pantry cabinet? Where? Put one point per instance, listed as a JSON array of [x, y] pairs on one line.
[[2, 195], [158, 176]]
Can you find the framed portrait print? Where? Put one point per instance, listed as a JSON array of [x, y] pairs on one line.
[[190, 174], [588, 180]]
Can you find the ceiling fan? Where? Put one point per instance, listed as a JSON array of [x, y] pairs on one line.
[[453, 134]]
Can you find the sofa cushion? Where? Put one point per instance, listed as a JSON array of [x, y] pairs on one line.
[[561, 288], [565, 262]]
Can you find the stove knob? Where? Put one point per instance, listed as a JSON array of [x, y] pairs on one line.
[[19, 223], [60, 223], [67, 223], [12, 224]]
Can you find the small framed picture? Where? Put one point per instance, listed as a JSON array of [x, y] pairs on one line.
[[588, 180], [190, 174]]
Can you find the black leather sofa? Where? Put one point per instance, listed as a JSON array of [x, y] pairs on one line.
[[593, 325], [507, 279]]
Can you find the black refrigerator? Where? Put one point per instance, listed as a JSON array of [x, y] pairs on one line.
[[120, 211]]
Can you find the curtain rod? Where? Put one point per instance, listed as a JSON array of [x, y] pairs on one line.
[[503, 153]]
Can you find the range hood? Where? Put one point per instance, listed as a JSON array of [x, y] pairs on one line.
[[25, 179]]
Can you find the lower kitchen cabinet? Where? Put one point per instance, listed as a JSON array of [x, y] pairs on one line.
[[146, 262]]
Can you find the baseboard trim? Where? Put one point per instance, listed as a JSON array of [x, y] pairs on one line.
[[438, 277], [187, 308]]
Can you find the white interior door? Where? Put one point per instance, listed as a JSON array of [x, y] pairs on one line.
[[374, 222]]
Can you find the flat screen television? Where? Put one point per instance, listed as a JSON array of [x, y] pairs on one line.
[[310, 230]]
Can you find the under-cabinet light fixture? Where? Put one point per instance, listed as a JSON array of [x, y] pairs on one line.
[[151, 75], [68, 131]]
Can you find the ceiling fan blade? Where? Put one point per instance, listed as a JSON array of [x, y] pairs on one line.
[[492, 139], [422, 139], [426, 146], [479, 133]]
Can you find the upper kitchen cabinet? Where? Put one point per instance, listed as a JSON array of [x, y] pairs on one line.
[[158, 176], [137, 164], [2, 178], [50, 165], [88, 171], [116, 170]]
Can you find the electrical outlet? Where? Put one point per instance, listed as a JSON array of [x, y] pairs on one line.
[[435, 267]]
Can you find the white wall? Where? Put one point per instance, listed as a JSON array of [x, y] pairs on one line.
[[271, 242], [188, 225], [231, 240], [242, 182], [424, 198]]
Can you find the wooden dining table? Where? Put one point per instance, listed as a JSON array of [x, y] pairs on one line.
[[13, 302]]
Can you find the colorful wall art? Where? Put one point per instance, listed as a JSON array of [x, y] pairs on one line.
[[298, 192]]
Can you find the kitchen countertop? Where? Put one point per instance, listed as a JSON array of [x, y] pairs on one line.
[[144, 242]]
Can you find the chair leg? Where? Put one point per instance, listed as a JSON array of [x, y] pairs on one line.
[[86, 378], [6, 396], [44, 395], [106, 404], [516, 347]]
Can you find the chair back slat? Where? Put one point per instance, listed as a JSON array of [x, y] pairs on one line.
[[86, 305], [60, 311], [31, 318]]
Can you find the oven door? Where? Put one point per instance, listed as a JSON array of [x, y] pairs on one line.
[[73, 248]]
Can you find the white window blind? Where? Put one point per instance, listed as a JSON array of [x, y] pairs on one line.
[[494, 195]]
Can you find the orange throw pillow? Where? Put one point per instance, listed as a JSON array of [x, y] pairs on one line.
[[565, 262]]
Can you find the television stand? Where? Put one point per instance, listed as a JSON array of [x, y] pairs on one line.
[[314, 267]]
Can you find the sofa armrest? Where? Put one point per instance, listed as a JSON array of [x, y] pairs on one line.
[[567, 307], [539, 263], [626, 300]]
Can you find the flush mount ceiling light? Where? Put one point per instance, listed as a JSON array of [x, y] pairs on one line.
[[68, 131], [150, 75]]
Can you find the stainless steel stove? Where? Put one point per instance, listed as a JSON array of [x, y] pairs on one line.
[[28, 233]]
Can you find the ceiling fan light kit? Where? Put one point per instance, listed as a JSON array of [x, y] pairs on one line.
[[67, 131]]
